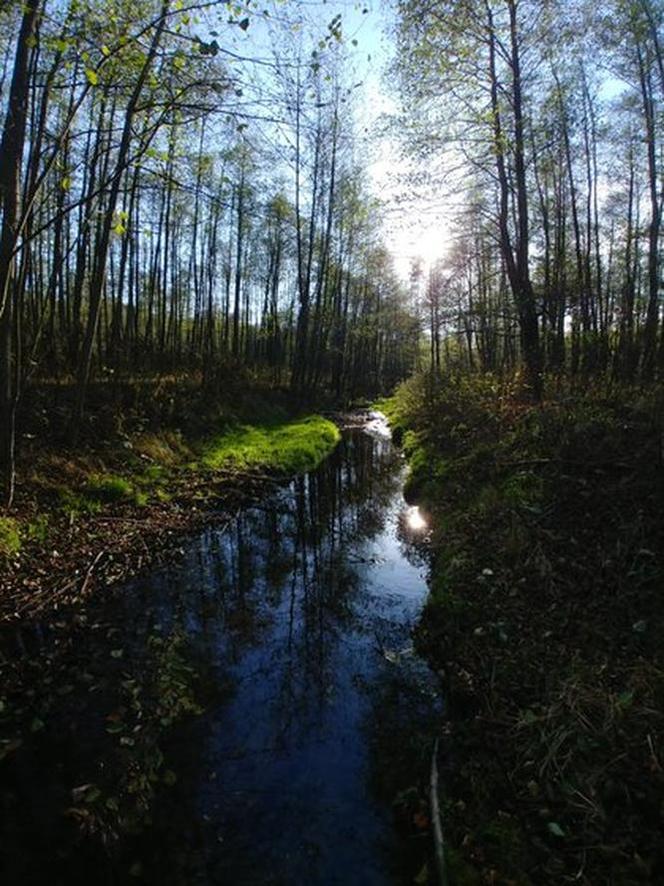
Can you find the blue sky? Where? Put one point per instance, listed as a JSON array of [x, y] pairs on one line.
[[409, 229]]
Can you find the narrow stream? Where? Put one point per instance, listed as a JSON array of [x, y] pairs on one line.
[[302, 608]]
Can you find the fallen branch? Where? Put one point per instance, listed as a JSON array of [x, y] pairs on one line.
[[90, 570], [439, 845]]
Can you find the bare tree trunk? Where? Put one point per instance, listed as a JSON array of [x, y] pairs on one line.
[[11, 151], [99, 270]]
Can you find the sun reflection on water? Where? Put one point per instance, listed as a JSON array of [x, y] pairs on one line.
[[415, 520]]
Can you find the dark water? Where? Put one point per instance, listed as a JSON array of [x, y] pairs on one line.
[[302, 610]]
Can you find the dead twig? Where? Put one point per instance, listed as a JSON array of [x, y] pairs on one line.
[[439, 845]]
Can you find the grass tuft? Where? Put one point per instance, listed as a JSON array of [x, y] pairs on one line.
[[109, 488], [10, 537]]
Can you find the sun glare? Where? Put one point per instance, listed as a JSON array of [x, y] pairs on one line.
[[415, 520]]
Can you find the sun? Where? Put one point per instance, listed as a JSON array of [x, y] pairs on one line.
[[416, 239]]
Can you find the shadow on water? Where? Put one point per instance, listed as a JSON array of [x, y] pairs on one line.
[[301, 610]]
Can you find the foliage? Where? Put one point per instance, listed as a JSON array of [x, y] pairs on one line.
[[108, 489]]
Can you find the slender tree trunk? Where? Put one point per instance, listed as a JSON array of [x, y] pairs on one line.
[[11, 151], [99, 270]]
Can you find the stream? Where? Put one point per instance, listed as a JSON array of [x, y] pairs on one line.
[[308, 762]]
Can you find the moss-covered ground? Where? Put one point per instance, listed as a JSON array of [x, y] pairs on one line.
[[285, 447]]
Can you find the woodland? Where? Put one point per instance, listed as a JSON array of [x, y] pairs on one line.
[[199, 276]]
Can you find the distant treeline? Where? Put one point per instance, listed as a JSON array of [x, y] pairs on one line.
[[547, 119], [168, 204]]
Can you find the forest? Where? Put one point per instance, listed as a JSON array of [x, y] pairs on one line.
[[331, 380]]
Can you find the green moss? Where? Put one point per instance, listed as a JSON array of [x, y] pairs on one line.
[[37, 530], [10, 537], [74, 503], [284, 447], [107, 488], [141, 499]]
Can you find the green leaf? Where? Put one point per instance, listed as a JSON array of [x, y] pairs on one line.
[[92, 794], [554, 828], [92, 76], [105, 51]]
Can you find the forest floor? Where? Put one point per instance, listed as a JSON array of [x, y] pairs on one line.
[[154, 460], [545, 621]]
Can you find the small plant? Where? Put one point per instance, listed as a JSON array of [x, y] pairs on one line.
[[37, 529], [75, 504], [109, 488], [10, 537]]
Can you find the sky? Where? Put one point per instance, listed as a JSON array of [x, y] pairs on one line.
[[410, 228]]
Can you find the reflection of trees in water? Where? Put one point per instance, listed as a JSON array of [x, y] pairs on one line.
[[276, 602], [287, 559]]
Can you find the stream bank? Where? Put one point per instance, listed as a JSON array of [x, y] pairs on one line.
[[545, 618], [251, 713], [87, 518]]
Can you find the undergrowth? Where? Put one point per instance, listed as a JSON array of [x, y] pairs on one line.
[[545, 617], [143, 461]]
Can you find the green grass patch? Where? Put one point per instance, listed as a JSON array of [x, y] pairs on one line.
[[109, 488], [37, 530], [287, 447], [10, 537], [76, 504]]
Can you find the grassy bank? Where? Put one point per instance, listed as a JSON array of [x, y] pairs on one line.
[[284, 447], [87, 716], [545, 618], [141, 472]]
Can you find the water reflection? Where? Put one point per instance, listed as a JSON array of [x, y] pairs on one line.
[[414, 519], [302, 610]]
